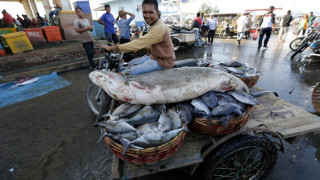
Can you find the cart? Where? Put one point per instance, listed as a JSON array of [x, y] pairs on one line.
[[271, 122]]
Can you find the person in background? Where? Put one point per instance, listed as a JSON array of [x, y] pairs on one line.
[[108, 21], [266, 26], [196, 28], [27, 21], [21, 21], [123, 25], [7, 19], [19, 26], [34, 22], [124, 28], [57, 7], [158, 38], [303, 24], [213, 24], [311, 19], [284, 25], [45, 22], [83, 27], [249, 23], [40, 20], [241, 27]]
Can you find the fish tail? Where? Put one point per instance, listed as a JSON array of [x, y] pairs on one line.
[[185, 128], [103, 134], [125, 143]]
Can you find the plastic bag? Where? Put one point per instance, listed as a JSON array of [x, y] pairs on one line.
[[255, 35]]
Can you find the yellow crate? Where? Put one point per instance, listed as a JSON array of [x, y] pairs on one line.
[[18, 42], [11, 29]]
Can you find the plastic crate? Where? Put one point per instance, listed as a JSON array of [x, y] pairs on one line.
[[7, 30], [52, 33], [35, 35], [18, 42], [84, 5]]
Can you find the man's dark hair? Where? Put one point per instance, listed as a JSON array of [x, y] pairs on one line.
[[154, 2], [106, 6], [198, 14], [78, 8], [289, 12], [311, 12]]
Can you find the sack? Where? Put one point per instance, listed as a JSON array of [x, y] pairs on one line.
[[255, 35]]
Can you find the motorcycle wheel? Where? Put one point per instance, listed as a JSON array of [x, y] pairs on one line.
[[223, 34], [96, 99], [176, 43], [294, 45], [300, 49]]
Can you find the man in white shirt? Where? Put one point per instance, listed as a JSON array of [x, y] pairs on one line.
[[212, 23], [266, 25], [241, 27]]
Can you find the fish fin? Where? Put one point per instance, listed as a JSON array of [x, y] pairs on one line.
[[185, 128], [103, 134], [125, 143], [224, 120]]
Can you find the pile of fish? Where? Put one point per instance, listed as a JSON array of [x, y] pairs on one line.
[[140, 126], [222, 106], [244, 70]]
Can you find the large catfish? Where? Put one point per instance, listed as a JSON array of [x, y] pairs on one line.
[[166, 86]]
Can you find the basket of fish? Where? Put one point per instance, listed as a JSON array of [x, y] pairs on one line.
[[143, 134], [221, 113], [316, 97], [244, 71]]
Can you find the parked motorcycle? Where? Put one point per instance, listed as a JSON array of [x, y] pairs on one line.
[[227, 32], [306, 42]]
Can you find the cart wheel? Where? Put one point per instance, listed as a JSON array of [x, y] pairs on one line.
[[176, 43], [244, 157]]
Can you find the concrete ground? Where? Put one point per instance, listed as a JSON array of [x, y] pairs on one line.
[[53, 137]]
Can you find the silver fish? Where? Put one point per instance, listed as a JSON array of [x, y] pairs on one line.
[[224, 98], [210, 99], [201, 109], [145, 115], [257, 94], [243, 97], [166, 86], [121, 109], [129, 111], [102, 135], [116, 127], [165, 122], [25, 82], [148, 127], [185, 112], [176, 122], [226, 109]]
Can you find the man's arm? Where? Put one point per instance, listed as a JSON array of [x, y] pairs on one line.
[[100, 21], [154, 36]]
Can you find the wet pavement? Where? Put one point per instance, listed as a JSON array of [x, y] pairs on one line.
[[53, 137]]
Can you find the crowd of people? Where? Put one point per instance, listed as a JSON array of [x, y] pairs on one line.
[[22, 22]]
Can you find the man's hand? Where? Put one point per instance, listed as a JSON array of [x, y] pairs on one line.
[[108, 48], [89, 28]]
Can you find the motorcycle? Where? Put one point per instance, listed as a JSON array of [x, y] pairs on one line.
[[227, 32], [306, 42], [315, 46]]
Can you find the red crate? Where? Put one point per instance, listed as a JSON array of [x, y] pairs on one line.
[[35, 35], [52, 33]]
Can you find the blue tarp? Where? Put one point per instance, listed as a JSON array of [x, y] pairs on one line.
[[44, 85]]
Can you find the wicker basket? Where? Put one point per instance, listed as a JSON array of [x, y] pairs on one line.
[[215, 127], [316, 97], [251, 81], [147, 155]]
